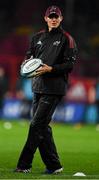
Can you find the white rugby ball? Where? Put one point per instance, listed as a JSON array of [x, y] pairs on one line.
[[29, 68]]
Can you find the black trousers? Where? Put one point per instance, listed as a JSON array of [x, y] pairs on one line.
[[40, 134]]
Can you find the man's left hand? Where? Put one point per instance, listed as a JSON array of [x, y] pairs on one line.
[[42, 70]]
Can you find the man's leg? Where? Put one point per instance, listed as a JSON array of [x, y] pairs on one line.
[[47, 146], [48, 151], [25, 160]]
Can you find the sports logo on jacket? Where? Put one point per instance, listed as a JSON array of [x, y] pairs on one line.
[[56, 43], [39, 42]]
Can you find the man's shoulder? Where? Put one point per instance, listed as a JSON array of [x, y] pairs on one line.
[[67, 34], [40, 32], [69, 38]]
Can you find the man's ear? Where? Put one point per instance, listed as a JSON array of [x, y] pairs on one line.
[[61, 18], [45, 18]]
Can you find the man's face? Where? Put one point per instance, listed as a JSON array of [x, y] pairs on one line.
[[53, 21]]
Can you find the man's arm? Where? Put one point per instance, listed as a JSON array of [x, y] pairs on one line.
[[70, 54], [29, 53], [66, 67], [69, 61]]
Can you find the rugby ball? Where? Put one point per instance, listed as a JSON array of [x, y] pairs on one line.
[[29, 68]]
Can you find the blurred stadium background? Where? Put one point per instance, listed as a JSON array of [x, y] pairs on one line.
[[18, 20]]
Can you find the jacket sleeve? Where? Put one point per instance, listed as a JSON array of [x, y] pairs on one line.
[[70, 53]]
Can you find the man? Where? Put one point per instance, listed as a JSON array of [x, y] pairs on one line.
[[56, 48]]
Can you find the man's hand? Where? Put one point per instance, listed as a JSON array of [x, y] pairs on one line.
[[26, 60], [43, 69]]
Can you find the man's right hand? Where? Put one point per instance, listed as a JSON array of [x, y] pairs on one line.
[[26, 60]]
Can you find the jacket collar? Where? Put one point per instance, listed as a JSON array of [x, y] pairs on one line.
[[54, 30]]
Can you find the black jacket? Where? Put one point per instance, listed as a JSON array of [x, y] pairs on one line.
[[57, 49]]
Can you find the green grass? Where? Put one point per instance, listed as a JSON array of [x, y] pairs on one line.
[[78, 149]]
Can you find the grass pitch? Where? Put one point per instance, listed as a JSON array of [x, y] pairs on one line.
[[78, 148]]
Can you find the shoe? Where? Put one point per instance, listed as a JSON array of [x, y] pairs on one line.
[[22, 170], [57, 171]]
